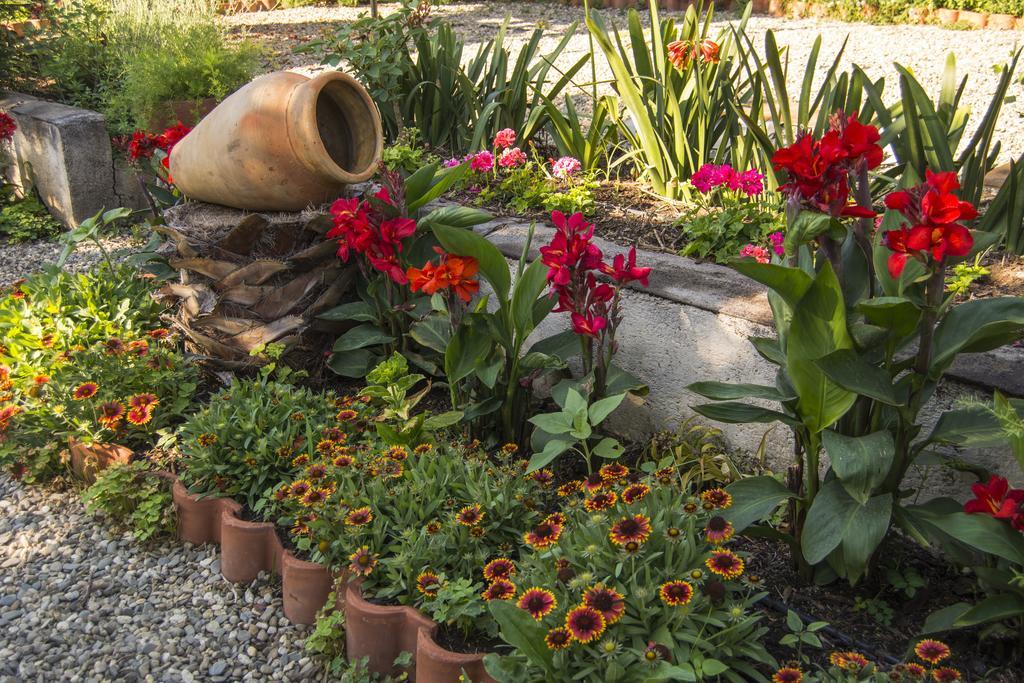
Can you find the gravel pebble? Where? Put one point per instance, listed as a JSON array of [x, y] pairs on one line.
[[80, 602], [20, 260]]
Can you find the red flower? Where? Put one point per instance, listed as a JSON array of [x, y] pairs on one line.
[[457, 273], [7, 126], [709, 51], [933, 213], [608, 601], [172, 136], [932, 651], [624, 270], [538, 602], [679, 53], [142, 145], [588, 325], [585, 624], [819, 169]]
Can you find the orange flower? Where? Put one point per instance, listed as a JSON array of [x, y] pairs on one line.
[[462, 272], [709, 51], [457, 273], [679, 53]]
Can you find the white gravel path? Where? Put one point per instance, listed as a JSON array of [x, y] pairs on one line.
[[79, 602], [20, 260], [874, 48]]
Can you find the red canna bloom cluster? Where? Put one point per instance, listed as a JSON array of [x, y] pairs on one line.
[[7, 126], [681, 52], [375, 228], [454, 273], [143, 144], [573, 263], [934, 214], [997, 499], [819, 170]]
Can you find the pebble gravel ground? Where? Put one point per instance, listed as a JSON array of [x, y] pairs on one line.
[[80, 602], [923, 49], [19, 260]]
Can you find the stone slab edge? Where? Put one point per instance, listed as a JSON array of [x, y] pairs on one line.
[[723, 291]]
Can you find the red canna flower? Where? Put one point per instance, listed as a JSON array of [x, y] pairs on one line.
[[933, 214], [588, 325], [7, 126]]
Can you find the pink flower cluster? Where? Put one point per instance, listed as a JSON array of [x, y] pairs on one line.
[[762, 254], [573, 262], [373, 228], [565, 167], [710, 176]]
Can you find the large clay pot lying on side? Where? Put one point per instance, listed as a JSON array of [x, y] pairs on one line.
[[382, 632], [281, 143]]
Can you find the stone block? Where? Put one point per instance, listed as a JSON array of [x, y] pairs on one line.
[[65, 154]]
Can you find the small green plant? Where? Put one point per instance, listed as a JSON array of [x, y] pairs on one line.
[[132, 496], [92, 229], [876, 608], [801, 634], [327, 641], [574, 427], [27, 220], [907, 580], [407, 153], [388, 385], [457, 603], [966, 274], [698, 451], [721, 233]]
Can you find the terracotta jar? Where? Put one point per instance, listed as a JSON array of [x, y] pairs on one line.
[[281, 143], [975, 19], [88, 460], [947, 16]]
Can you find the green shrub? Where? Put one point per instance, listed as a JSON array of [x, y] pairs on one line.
[[133, 497], [26, 220]]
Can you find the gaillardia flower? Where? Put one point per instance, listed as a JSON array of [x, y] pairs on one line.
[[849, 661], [558, 639], [725, 563], [85, 390], [600, 501], [608, 601], [538, 602], [788, 674], [932, 651], [471, 515], [359, 516], [544, 535], [635, 529], [362, 561], [585, 624], [613, 471], [675, 593], [110, 413], [634, 492], [500, 568], [500, 589], [718, 530], [428, 584], [716, 499], [946, 674]]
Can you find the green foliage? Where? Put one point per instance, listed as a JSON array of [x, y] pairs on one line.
[[327, 641], [719, 234], [530, 188], [407, 154], [251, 436], [676, 120], [801, 635], [716, 632], [697, 451], [127, 58], [457, 603], [414, 69], [574, 428], [133, 497], [27, 220], [966, 274]]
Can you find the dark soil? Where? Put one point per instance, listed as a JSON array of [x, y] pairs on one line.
[[451, 638], [883, 640]]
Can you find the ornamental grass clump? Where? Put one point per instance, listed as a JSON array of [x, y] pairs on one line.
[[865, 333], [632, 579]]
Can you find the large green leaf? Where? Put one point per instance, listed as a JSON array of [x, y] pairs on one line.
[[466, 347], [963, 615], [726, 391], [467, 243], [860, 462], [354, 363], [807, 226], [985, 533], [976, 325], [434, 331], [519, 630], [754, 499], [357, 310], [527, 290], [602, 408], [972, 426], [818, 328], [850, 371], [360, 337], [790, 283], [892, 312], [838, 521], [734, 412]]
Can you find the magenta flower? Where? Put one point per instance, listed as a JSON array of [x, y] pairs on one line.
[[777, 239], [512, 157], [759, 254], [452, 163], [504, 138], [482, 161], [565, 167], [750, 182]]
